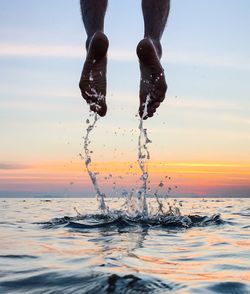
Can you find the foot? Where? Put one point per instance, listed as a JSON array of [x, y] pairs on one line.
[[153, 85], [93, 78]]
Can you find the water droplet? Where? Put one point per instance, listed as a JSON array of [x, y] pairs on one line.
[[161, 184]]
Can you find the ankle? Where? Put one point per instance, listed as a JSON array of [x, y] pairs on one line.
[[97, 34], [158, 47], [88, 42]]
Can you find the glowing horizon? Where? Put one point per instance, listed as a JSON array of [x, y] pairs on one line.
[[184, 178]]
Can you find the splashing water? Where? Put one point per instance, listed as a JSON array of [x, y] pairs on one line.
[[87, 160], [143, 155], [135, 201]]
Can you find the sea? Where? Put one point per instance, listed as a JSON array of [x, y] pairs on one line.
[[69, 245]]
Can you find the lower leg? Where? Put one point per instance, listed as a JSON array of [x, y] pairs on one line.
[[93, 13], [93, 78], [155, 14], [153, 85]]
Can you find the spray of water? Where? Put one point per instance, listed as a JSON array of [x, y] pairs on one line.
[[135, 201], [87, 160], [143, 156]]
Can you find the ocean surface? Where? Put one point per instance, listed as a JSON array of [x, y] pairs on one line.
[[67, 246]]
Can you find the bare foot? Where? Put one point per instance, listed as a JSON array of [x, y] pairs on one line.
[[153, 85], [93, 78]]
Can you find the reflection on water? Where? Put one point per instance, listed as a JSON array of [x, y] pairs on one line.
[[47, 248]]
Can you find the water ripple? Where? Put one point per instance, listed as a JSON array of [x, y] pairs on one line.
[[89, 283], [229, 288], [93, 221], [12, 256], [58, 252]]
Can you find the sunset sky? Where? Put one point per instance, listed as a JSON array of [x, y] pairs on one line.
[[200, 135]]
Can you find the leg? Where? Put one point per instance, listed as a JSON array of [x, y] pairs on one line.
[[153, 85], [93, 78]]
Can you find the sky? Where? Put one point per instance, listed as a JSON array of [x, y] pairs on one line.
[[200, 134]]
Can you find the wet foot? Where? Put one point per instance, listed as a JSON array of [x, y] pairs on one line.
[[93, 78], [153, 85]]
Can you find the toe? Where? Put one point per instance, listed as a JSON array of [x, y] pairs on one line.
[[157, 104], [151, 111], [103, 110]]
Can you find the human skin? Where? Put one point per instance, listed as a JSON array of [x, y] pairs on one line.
[[93, 82]]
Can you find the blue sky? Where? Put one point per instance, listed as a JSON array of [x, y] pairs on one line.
[[206, 117]]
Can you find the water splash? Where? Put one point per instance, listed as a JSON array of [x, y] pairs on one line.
[[122, 221], [87, 160], [135, 201], [143, 156]]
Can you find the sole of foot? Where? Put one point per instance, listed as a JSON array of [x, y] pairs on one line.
[[153, 85], [93, 81]]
